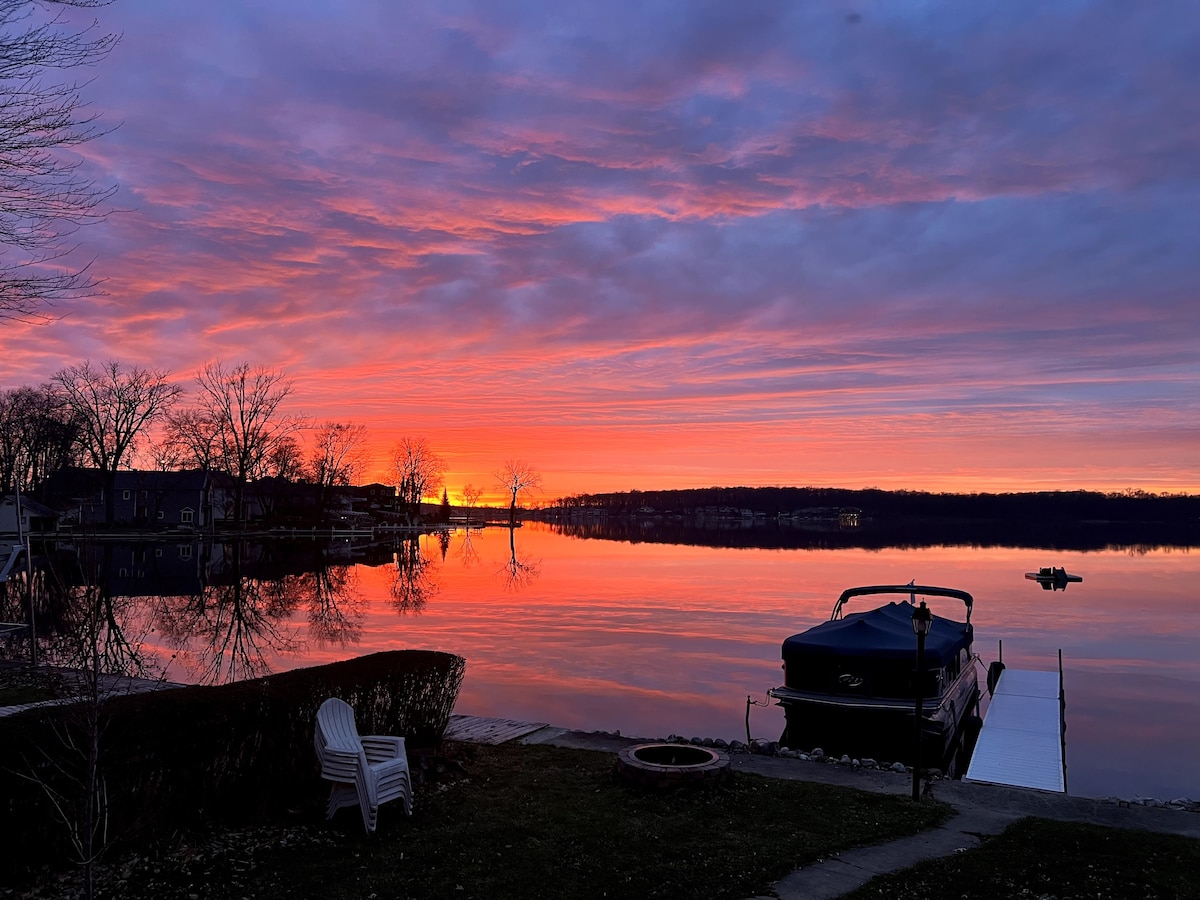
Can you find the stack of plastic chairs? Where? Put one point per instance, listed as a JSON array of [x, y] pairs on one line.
[[366, 771]]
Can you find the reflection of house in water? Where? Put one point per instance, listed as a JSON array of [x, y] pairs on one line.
[[149, 568], [186, 567]]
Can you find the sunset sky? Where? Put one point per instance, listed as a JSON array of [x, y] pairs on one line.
[[944, 246]]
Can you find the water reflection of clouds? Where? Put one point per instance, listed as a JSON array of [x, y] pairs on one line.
[[652, 639], [1136, 729]]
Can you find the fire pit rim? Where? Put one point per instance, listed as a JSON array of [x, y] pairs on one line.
[[713, 768]]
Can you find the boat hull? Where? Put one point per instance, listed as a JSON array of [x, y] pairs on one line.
[[883, 729]]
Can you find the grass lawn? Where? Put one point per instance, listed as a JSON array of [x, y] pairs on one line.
[[1044, 860], [543, 822], [529, 822]]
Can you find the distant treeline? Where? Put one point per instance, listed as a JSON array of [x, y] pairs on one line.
[[879, 534], [813, 502]]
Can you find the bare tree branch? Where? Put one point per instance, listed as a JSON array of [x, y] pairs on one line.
[[43, 196]]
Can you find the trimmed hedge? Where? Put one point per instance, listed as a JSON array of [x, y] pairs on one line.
[[239, 753]]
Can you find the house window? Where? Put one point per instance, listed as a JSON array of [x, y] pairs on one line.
[[158, 551], [124, 495], [185, 517], [185, 551], [123, 573], [161, 514]]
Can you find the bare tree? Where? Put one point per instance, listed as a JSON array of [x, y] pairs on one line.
[[114, 405], [191, 438], [418, 471], [469, 498], [286, 461], [167, 456], [337, 455], [37, 436], [43, 196], [518, 477], [242, 406]]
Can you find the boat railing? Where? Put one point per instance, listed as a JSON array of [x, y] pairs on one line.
[[911, 589]]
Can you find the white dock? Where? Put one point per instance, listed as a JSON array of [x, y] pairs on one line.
[[1021, 743], [483, 730]]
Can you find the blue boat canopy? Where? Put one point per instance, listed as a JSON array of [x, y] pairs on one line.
[[885, 633]]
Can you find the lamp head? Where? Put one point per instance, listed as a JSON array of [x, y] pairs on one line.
[[922, 619]]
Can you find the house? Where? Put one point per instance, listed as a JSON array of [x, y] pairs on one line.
[[372, 496], [162, 499], [140, 499], [33, 517]]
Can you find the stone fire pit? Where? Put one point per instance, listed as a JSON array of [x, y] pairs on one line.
[[664, 766]]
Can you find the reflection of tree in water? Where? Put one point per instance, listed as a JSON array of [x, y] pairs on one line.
[[336, 607], [82, 625], [467, 551], [518, 571], [413, 582], [229, 627]]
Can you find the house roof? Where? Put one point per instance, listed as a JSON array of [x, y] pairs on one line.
[[188, 480], [31, 507]]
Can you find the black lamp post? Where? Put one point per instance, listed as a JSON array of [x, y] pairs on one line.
[[922, 619]]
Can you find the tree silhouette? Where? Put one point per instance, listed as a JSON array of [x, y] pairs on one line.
[[38, 436], [337, 455], [113, 406], [418, 473], [43, 196], [469, 498], [239, 413], [517, 477]]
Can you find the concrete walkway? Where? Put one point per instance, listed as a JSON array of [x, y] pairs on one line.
[[982, 810]]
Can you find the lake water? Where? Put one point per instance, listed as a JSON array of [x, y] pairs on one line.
[[651, 639]]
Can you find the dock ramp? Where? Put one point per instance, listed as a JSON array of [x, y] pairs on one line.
[[1022, 742]]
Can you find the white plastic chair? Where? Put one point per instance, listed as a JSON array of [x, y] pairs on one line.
[[366, 771]]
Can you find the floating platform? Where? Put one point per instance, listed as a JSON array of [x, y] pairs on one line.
[[1022, 740]]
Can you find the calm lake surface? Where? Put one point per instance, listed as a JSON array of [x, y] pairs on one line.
[[651, 639]]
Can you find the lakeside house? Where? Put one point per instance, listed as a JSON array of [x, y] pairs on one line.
[[32, 518], [178, 500]]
